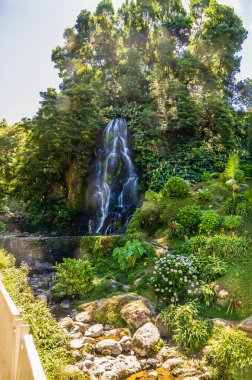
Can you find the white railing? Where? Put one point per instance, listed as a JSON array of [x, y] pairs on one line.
[[19, 359]]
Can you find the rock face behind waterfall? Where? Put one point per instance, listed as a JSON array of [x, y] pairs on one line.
[[112, 193]]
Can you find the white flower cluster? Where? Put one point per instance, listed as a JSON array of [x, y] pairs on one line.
[[174, 276]]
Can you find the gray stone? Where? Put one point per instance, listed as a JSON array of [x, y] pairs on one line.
[[83, 317], [76, 344], [65, 304], [136, 314], [145, 338], [66, 323], [94, 331], [172, 363], [109, 345], [126, 343]]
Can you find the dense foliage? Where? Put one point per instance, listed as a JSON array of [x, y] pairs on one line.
[[170, 73]]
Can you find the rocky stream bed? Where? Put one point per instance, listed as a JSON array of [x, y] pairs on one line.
[[138, 351]]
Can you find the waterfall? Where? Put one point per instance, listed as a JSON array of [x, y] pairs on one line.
[[112, 194]]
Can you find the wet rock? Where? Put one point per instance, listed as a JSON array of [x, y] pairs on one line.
[[145, 338], [94, 331], [112, 347], [136, 314]]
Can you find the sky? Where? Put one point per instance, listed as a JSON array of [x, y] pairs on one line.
[[31, 29]]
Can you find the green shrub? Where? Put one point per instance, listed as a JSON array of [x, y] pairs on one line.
[[193, 335], [171, 207], [176, 187], [206, 176], [207, 294], [238, 206], [223, 246], [6, 260], [50, 341], [73, 278], [128, 255], [189, 217], [97, 246], [210, 221], [209, 268], [149, 217], [205, 195], [231, 354], [2, 227], [247, 169], [233, 222], [189, 331], [172, 277]]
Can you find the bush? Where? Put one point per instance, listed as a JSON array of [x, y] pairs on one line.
[[247, 169], [128, 255], [97, 246], [176, 187], [50, 340], [238, 206], [173, 277], [210, 221], [223, 246], [209, 268], [231, 354], [189, 331], [205, 195], [2, 227], [233, 222], [73, 278], [189, 217]]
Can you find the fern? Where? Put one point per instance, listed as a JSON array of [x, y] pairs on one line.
[[232, 166]]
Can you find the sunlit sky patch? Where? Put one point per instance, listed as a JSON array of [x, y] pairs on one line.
[[29, 31]]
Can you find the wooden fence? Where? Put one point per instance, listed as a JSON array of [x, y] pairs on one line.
[[19, 359]]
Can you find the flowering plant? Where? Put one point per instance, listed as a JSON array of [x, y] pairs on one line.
[[173, 277]]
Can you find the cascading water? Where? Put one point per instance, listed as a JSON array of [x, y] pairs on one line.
[[112, 194]]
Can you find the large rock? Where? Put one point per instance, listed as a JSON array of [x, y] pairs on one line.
[[109, 346], [136, 314], [107, 310], [83, 317], [94, 331], [161, 326], [246, 326], [145, 338], [66, 323]]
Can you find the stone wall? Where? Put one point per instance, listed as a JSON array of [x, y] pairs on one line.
[[33, 249]]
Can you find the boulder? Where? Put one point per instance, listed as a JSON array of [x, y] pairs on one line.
[[136, 314], [110, 346], [94, 331], [246, 326], [83, 317], [161, 326], [145, 338]]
